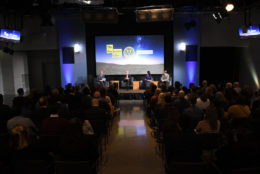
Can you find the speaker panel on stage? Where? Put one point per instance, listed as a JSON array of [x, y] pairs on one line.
[[191, 52], [68, 55]]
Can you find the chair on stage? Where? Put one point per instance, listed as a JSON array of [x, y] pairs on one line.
[[128, 84]]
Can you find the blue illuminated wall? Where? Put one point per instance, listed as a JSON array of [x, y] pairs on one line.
[[186, 71], [71, 31]]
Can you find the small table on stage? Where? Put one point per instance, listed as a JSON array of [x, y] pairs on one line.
[[155, 83], [115, 81], [136, 85]]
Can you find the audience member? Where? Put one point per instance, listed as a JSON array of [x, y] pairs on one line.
[[54, 124], [202, 101], [24, 119], [24, 147], [193, 112], [5, 114], [180, 102], [239, 110], [210, 124], [18, 102]]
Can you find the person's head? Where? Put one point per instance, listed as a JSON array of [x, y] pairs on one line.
[[165, 72], [101, 73], [126, 72], [148, 73], [192, 100], [1, 99], [96, 95], [236, 84], [168, 98], [228, 85], [55, 92], [164, 88], [54, 108], [219, 99], [20, 91], [177, 85], [96, 98], [103, 92], [42, 101], [204, 83], [157, 92], [212, 116], [73, 130], [20, 138], [181, 94], [86, 90]]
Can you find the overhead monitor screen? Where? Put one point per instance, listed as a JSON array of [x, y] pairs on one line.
[[251, 31], [10, 35], [135, 53]]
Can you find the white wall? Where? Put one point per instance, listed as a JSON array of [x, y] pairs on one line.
[[14, 68], [191, 37], [20, 70], [71, 31]]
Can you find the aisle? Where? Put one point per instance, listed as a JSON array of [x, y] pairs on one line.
[[131, 149]]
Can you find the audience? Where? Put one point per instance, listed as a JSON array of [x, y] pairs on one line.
[[182, 115], [211, 123]]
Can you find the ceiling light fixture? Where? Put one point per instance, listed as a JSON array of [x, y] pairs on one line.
[[229, 7]]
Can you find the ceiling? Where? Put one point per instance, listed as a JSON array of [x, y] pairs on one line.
[[39, 6]]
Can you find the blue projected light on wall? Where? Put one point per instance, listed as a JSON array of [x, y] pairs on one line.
[[191, 71], [135, 53], [67, 71]]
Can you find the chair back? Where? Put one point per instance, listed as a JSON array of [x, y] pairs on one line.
[[31, 166], [76, 167], [186, 168]]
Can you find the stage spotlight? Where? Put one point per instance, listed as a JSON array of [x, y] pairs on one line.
[[182, 46], [77, 48], [229, 7], [220, 15]]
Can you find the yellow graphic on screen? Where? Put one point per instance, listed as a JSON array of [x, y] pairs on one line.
[[129, 52], [117, 53], [110, 48]]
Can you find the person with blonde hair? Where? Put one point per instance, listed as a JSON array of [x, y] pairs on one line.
[[20, 136], [24, 147]]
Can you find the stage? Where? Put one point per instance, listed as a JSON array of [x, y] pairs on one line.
[[130, 94]]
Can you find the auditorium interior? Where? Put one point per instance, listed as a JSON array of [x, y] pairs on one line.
[[130, 86]]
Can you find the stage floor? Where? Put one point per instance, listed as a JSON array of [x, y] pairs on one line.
[[130, 91], [130, 94]]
